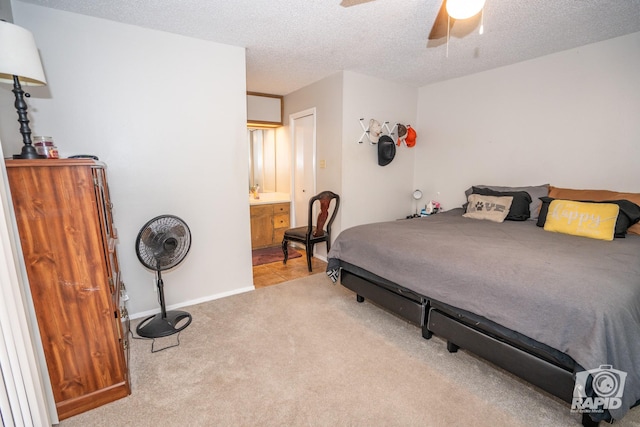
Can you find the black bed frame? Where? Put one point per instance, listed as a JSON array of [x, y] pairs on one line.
[[530, 360]]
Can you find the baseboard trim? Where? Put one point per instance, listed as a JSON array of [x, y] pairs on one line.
[[147, 313]]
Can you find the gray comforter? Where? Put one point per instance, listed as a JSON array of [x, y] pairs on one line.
[[578, 295]]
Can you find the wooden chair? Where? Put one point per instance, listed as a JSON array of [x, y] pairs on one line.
[[312, 234]]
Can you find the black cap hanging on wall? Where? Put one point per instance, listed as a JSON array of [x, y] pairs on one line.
[[386, 150]]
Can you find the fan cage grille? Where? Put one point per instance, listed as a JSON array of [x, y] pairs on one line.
[[163, 242]]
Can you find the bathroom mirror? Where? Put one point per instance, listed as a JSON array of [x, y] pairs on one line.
[[262, 159]]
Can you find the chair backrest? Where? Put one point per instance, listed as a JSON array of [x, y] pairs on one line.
[[325, 199]]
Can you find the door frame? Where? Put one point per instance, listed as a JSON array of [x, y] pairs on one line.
[[292, 122]]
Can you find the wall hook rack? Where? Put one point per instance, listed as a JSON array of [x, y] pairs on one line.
[[365, 133], [385, 127]]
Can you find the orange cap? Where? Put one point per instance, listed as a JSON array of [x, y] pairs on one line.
[[411, 137]]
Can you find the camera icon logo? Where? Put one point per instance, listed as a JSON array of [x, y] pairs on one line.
[[598, 389]]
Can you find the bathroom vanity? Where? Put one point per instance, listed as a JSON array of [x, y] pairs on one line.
[[270, 217]]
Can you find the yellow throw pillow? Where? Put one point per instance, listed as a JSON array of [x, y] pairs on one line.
[[594, 220], [596, 196]]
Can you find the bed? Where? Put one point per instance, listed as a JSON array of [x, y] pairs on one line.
[[547, 306]]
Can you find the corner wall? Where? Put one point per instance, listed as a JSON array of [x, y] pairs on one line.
[[375, 193], [326, 97], [368, 192]]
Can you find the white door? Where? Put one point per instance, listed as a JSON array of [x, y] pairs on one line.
[[303, 130]]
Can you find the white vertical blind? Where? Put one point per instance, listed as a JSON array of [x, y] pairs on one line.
[[22, 396]]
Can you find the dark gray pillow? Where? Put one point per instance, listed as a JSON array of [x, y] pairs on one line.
[[535, 191]]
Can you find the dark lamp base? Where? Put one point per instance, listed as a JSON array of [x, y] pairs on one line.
[[29, 152]]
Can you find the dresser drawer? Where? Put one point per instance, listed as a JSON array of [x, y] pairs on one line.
[[281, 220], [280, 208], [268, 224], [261, 210]]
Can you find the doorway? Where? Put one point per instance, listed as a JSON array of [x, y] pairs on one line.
[[303, 178], [303, 186]]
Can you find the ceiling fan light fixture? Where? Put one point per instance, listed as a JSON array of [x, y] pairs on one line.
[[463, 9]]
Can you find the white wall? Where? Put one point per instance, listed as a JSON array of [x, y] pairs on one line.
[[569, 119], [369, 192], [326, 97], [375, 193], [167, 114]]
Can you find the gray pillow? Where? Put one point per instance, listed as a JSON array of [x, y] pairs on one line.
[[535, 192]]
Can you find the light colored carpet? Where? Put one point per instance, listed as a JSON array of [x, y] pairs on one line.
[[305, 353]]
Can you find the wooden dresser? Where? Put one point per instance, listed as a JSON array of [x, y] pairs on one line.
[[68, 241], [268, 224]]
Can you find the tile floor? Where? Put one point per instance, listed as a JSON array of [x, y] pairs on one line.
[[277, 272]]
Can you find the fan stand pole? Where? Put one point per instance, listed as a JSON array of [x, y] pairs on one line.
[[166, 322], [160, 285]]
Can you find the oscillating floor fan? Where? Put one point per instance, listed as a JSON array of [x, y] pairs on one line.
[[162, 244]]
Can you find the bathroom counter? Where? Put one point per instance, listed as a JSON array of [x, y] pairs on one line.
[[270, 198]]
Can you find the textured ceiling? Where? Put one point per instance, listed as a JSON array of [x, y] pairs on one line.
[[292, 43]]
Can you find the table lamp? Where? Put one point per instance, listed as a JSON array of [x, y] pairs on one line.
[[417, 195], [20, 64]]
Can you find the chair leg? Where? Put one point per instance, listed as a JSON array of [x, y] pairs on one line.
[[309, 249], [285, 250]]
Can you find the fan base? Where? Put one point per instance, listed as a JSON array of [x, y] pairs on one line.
[[158, 326]]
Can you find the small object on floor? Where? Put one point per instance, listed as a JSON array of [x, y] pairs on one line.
[[169, 341], [271, 254]]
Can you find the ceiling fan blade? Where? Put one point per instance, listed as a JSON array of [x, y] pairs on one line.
[[439, 29], [349, 3]]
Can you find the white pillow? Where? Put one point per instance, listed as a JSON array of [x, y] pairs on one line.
[[535, 191], [493, 208]]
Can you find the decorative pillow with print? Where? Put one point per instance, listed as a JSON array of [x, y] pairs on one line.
[[535, 191], [629, 214], [593, 220], [492, 208], [519, 210], [597, 196]]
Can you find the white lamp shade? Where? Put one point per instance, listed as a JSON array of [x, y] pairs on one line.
[[463, 9], [19, 56]]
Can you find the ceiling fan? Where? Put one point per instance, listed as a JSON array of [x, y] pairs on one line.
[[449, 12]]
